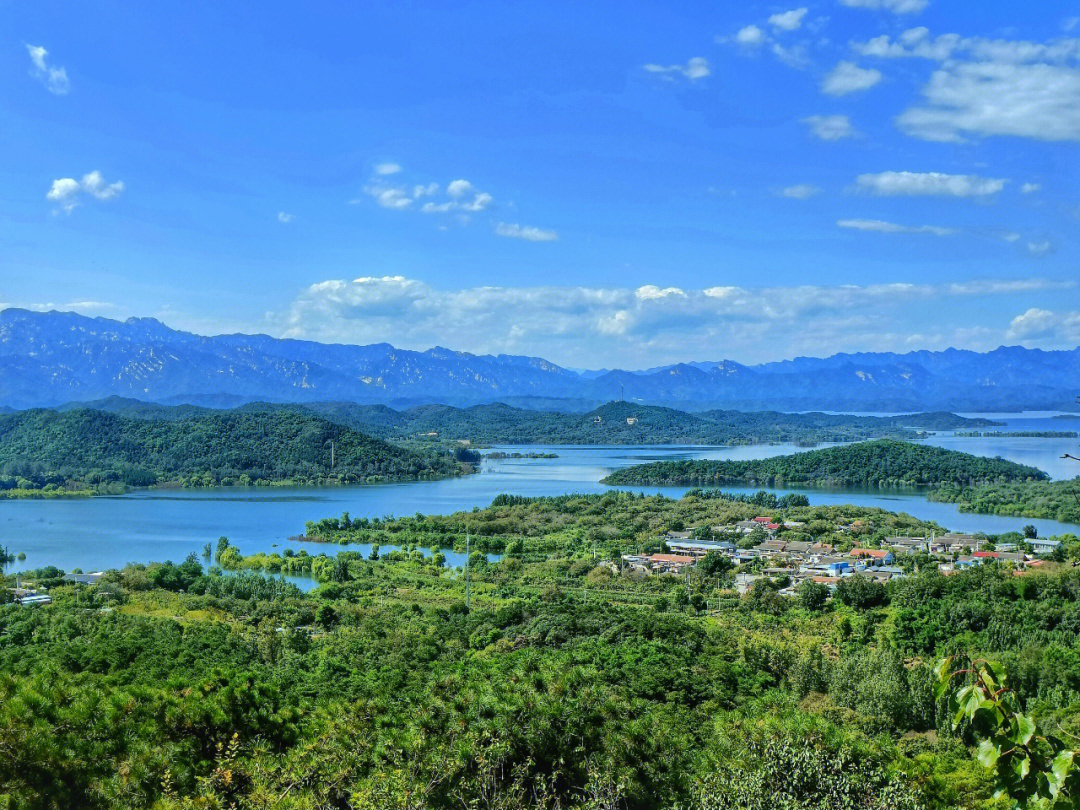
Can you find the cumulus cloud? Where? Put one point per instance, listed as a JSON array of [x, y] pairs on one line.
[[750, 36], [695, 68], [1036, 324], [458, 188], [67, 192], [987, 87], [803, 191], [830, 127], [931, 184], [895, 6], [55, 79], [984, 98], [847, 77], [880, 226], [788, 20], [384, 169], [1040, 248], [526, 232], [460, 197], [615, 325], [1029, 188], [284, 218]]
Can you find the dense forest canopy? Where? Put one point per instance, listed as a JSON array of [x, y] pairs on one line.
[[564, 684], [880, 463], [502, 424], [90, 448]]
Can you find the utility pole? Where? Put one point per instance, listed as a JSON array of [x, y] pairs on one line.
[[467, 592], [332, 459]]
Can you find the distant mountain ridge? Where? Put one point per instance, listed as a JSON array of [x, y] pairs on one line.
[[51, 358]]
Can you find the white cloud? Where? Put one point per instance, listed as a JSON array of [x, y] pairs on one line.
[[1030, 188], [526, 232], [929, 184], [617, 325], [458, 188], [461, 197], [479, 202], [895, 6], [1039, 101], [917, 43], [55, 79], [830, 127], [393, 197], [385, 169], [802, 191], [695, 68], [284, 218], [67, 191], [751, 35], [788, 20], [847, 77], [880, 226], [1040, 248], [1035, 324]]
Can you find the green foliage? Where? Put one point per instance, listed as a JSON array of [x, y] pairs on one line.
[[813, 595], [1032, 768], [881, 463], [498, 423], [860, 592], [1054, 500], [83, 449]]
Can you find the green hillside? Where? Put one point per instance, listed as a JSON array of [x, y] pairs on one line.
[[613, 423], [881, 463], [87, 449]]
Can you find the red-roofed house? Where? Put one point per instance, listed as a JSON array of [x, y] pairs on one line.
[[881, 554]]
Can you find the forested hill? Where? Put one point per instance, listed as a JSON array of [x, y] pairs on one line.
[[881, 463], [94, 448], [613, 423]]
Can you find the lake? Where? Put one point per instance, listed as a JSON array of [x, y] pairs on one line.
[[108, 532]]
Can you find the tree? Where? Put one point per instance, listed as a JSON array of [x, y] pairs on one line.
[[715, 564], [813, 596], [1030, 532], [326, 616], [860, 592]]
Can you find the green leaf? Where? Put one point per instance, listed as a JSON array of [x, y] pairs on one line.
[[1062, 765], [999, 672], [970, 698], [988, 753], [1021, 766], [1023, 729], [942, 670]]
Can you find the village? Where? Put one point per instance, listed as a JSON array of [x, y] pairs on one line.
[[756, 549]]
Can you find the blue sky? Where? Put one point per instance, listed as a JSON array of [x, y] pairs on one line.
[[623, 184]]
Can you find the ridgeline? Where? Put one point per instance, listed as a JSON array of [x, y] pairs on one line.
[[883, 463], [49, 452], [614, 423]]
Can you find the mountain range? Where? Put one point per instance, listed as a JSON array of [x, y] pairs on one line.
[[52, 358]]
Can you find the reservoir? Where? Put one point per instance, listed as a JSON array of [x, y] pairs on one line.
[[156, 525]]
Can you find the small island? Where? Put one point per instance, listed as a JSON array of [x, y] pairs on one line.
[[884, 463]]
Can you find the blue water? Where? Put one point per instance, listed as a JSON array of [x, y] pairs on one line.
[[99, 533]]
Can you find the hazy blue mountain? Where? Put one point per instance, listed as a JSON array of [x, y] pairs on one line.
[[48, 359]]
